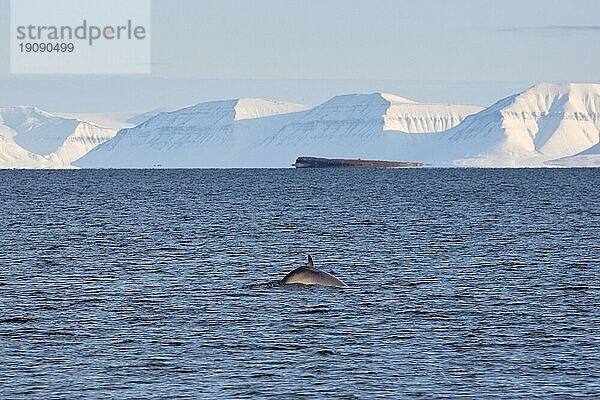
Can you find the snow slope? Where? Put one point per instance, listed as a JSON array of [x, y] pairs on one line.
[[83, 139], [543, 123], [14, 156], [138, 118], [31, 138], [113, 120], [263, 133], [409, 116], [587, 158], [204, 135], [366, 115]]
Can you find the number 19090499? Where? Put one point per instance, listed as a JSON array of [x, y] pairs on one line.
[[46, 47]]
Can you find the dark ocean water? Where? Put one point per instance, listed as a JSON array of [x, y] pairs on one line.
[[161, 284]]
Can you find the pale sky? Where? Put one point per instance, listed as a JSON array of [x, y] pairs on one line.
[[308, 50], [542, 40]]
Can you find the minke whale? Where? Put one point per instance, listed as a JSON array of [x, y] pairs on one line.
[[309, 275]]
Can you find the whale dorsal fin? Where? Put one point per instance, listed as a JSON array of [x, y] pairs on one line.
[[309, 264]]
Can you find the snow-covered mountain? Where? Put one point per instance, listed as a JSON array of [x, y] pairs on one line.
[[264, 133], [32, 138], [204, 135], [377, 125], [544, 123], [365, 115]]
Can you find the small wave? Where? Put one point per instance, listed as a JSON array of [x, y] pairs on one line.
[[573, 288], [319, 309], [423, 282], [263, 285], [325, 352], [15, 320]]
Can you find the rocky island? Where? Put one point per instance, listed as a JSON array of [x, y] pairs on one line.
[[316, 162]]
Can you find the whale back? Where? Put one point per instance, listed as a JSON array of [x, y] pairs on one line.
[[309, 275]]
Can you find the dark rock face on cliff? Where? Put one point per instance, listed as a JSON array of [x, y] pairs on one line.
[[315, 162]]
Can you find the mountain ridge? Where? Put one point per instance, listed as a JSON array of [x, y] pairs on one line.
[[33, 138], [548, 124], [546, 121], [222, 139]]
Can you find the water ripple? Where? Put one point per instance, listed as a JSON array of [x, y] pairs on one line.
[[165, 284]]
